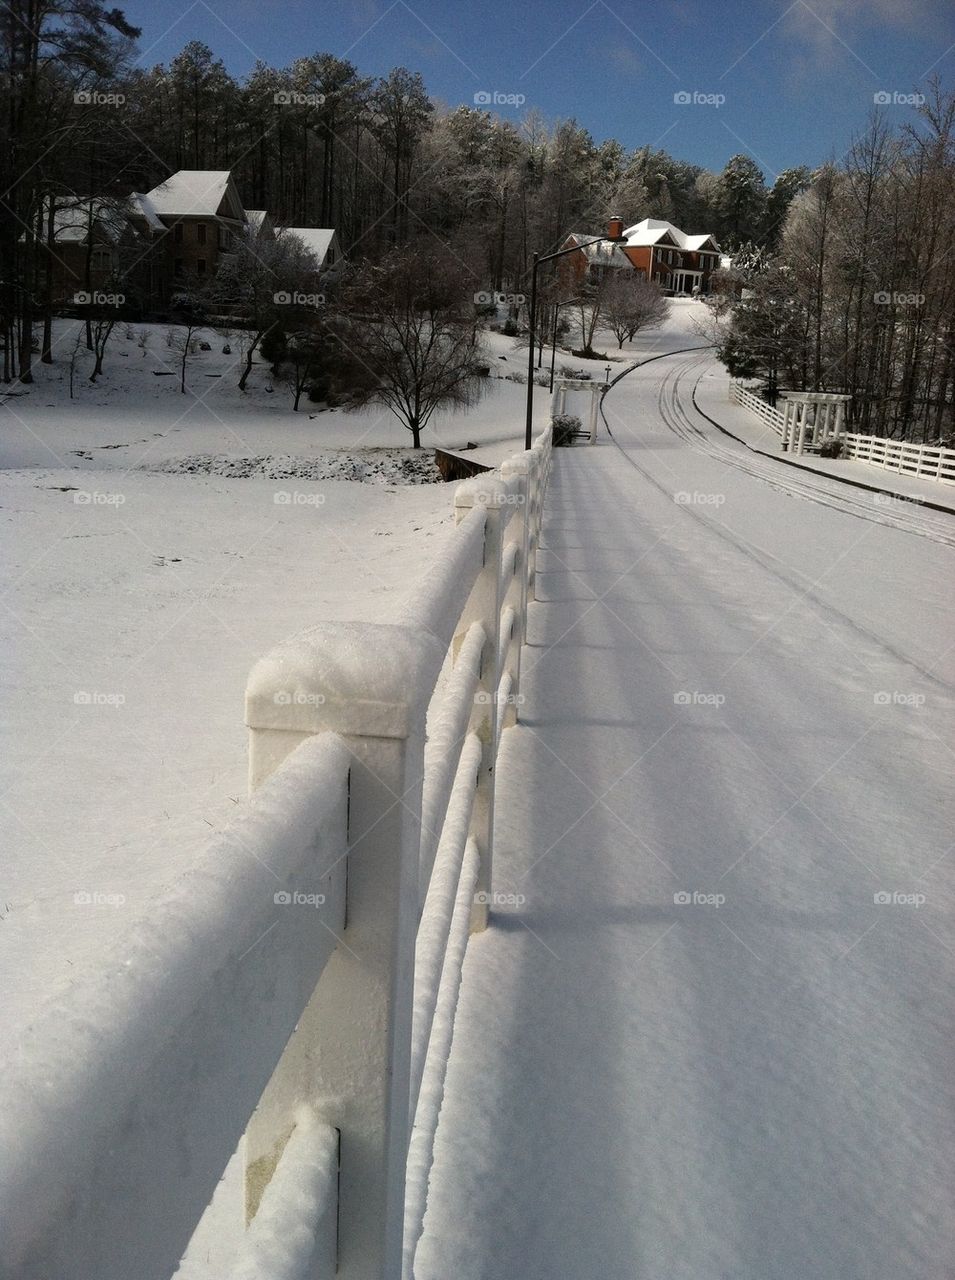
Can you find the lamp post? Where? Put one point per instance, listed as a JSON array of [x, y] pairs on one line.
[[553, 353], [614, 236]]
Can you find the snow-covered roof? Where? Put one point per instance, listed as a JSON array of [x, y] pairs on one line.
[[653, 230], [318, 239], [600, 253], [194, 192], [142, 205], [71, 221], [255, 218]]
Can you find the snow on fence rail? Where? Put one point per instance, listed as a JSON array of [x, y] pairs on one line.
[[295, 993], [929, 461]]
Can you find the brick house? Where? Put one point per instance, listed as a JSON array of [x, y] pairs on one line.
[[681, 264], [192, 217], [94, 246]]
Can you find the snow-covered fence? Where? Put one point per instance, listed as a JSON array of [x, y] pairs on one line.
[[748, 400], [420, 705], [293, 996], [128, 1098], [931, 462]]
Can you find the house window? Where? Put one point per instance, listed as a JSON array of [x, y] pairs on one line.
[[330, 257], [201, 232], [200, 266], [177, 233], [177, 267]]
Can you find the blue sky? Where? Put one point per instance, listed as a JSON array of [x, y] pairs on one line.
[[787, 83]]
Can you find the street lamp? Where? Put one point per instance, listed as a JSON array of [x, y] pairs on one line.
[[614, 236], [553, 353]]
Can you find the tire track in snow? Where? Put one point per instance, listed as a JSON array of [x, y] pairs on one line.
[[799, 583]]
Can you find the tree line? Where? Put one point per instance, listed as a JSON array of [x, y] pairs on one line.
[[316, 144], [860, 296]]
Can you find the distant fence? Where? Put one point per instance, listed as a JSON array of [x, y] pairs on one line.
[[294, 995], [930, 462]]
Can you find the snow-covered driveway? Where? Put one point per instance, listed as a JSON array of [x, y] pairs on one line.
[[710, 1033]]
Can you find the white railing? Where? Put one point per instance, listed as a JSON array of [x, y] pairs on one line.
[[769, 415], [930, 462], [294, 995]]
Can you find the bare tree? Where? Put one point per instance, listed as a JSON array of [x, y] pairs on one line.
[[410, 325], [629, 304], [257, 282]]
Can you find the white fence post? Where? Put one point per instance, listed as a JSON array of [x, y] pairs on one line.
[[349, 1058]]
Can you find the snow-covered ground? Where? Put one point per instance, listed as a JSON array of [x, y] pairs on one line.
[[156, 545], [713, 1035], [739, 684]]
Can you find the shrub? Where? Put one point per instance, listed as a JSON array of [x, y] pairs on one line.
[[566, 427], [831, 449]]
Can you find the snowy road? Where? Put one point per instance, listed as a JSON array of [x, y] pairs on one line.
[[710, 1037]]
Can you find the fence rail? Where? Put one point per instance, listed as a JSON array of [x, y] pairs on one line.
[[294, 996], [931, 462]]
